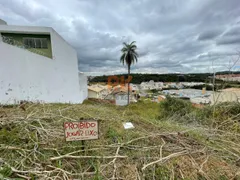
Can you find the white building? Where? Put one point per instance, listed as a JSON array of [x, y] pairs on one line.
[[144, 86], [159, 85], [134, 87], [97, 91], [120, 96], [83, 85], [38, 65], [151, 85]]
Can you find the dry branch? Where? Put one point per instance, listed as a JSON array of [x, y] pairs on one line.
[[114, 164], [86, 157], [161, 160]]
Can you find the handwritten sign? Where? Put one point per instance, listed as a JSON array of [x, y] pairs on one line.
[[83, 130]]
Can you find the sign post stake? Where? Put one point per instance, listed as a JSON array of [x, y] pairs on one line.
[[83, 145]]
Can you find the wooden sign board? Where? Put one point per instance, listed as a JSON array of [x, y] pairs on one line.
[[83, 130]]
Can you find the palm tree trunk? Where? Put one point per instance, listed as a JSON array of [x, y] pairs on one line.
[[128, 83]]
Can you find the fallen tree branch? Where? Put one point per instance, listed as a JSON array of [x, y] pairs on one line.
[[69, 154], [165, 158], [161, 148], [114, 164], [87, 157], [194, 163]]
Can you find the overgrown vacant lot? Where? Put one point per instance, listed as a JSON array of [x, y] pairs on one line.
[[170, 141]]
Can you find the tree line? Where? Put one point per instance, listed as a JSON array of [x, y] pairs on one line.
[[138, 78]]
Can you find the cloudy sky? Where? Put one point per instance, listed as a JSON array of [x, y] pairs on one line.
[[172, 35]]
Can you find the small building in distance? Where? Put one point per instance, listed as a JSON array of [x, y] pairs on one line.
[[97, 92], [120, 95], [228, 77], [151, 85], [121, 98], [134, 87], [38, 65], [161, 98]]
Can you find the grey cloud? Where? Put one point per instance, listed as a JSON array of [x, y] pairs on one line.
[[217, 54], [230, 36], [228, 40], [27, 9], [162, 63], [208, 35], [172, 36], [233, 31]]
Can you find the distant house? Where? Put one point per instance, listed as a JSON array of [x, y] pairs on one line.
[[229, 77], [38, 65], [120, 95], [161, 98], [158, 98], [172, 85], [134, 87], [97, 92], [180, 85], [147, 85], [159, 85], [142, 94], [144, 86], [121, 98], [151, 85]]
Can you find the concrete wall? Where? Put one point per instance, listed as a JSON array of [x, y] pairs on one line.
[[99, 95], [28, 76], [219, 97], [92, 94], [83, 85], [121, 99]]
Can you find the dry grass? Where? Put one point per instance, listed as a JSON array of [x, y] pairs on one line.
[[32, 145]]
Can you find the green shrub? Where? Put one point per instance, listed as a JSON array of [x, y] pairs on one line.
[[173, 106], [113, 135], [224, 116], [162, 173], [5, 171]]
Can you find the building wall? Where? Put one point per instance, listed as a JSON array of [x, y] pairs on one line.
[[103, 93], [99, 95], [18, 39], [83, 85], [121, 99], [92, 94], [219, 97], [28, 76]]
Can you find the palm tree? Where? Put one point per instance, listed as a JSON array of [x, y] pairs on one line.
[[129, 56]]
